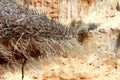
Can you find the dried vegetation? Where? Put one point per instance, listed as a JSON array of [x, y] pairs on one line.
[[25, 34], [82, 29]]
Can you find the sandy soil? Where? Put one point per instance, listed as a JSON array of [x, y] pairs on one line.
[[78, 67]]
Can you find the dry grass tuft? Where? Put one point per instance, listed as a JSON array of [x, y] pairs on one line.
[[24, 34]]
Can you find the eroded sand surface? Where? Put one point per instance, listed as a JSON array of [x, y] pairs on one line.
[[92, 67]]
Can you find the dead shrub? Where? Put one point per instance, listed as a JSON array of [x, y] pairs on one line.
[[28, 35]]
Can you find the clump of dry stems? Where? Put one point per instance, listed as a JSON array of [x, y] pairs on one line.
[[26, 34]]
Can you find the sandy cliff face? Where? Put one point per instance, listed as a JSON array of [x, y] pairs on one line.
[[66, 10], [61, 10]]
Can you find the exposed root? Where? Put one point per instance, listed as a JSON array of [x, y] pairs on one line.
[[22, 69]]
